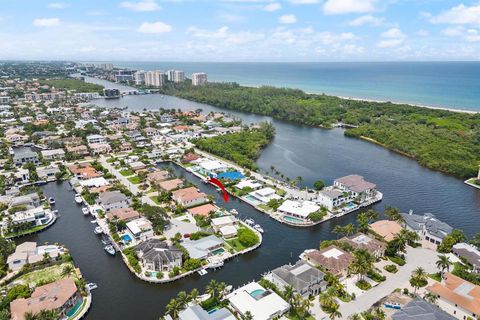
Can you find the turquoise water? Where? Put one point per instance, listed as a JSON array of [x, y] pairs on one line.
[[292, 219], [257, 293], [218, 251], [444, 84], [126, 238], [252, 199], [74, 309]]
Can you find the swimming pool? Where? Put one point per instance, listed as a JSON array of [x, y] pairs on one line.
[[258, 293], [218, 251], [350, 205], [74, 309], [292, 219], [126, 238], [252, 199]]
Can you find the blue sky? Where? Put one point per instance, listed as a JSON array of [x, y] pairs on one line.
[[240, 30]]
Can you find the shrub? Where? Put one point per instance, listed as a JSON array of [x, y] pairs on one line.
[[247, 237], [391, 268], [159, 275], [148, 273], [397, 260], [376, 276], [362, 284]]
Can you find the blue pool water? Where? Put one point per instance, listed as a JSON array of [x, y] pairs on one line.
[[231, 175], [252, 199], [257, 293], [126, 238], [292, 219], [74, 309]]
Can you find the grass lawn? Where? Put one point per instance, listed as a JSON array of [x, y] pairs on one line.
[[27, 231], [264, 207], [135, 180], [155, 199], [436, 276], [48, 274], [126, 172], [236, 245], [280, 192]]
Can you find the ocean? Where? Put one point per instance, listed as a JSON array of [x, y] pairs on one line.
[[453, 85]]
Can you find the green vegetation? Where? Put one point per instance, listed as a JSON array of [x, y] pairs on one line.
[[437, 276], [132, 259], [438, 139], [241, 147], [247, 237], [391, 268], [465, 272], [236, 244], [363, 285], [127, 172], [135, 180], [318, 215], [72, 84], [397, 260], [450, 240]]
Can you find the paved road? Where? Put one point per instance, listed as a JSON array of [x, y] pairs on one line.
[[416, 257]]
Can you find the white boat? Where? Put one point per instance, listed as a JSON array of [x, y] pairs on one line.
[[258, 228], [93, 221], [98, 230], [78, 198], [51, 200], [91, 286], [202, 272], [85, 211], [234, 212], [110, 250], [250, 222], [215, 265]]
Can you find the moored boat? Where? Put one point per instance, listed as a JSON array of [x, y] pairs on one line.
[[78, 198], [250, 222], [110, 250], [85, 211], [98, 230], [91, 286], [258, 228], [51, 200]]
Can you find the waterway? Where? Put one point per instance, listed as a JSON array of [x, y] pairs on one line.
[[296, 151]]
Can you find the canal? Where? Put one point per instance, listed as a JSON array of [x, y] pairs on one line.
[[296, 151]]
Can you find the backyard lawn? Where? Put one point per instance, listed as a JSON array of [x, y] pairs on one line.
[[45, 275], [135, 180], [236, 245], [126, 172]]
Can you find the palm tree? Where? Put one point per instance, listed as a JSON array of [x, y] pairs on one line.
[[418, 278], [394, 214], [332, 311], [173, 308], [430, 297], [362, 264], [47, 315], [378, 313], [182, 299], [288, 294], [443, 263], [194, 295], [212, 288], [355, 316], [247, 316], [420, 273], [221, 288], [67, 270], [349, 229]]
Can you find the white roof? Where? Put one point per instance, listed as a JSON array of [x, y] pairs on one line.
[[298, 208], [223, 220], [212, 165], [139, 225], [248, 183], [265, 191], [228, 230], [265, 194], [333, 253], [94, 182], [262, 307]]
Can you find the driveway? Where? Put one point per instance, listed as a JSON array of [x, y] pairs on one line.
[[416, 257]]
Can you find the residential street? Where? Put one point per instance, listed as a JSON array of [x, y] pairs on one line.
[[416, 257]]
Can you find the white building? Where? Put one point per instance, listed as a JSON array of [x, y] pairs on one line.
[[199, 78], [178, 76], [154, 78], [265, 195], [96, 138], [263, 304], [54, 154], [141, 228], [298, 209]]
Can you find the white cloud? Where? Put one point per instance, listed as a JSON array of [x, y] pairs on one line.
[[303, 1], [88, 49], [392, 38], [46, 22], [229, 17], [422, 33], [145, 5], [272, 7], [366, 20], [472, 35], [288, 19], [453, 31], [468, 35], [58, 5], [348, 6], [460, 14], [154, 27]]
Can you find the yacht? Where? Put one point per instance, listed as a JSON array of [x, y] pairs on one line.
[[93, 221], [258, 228], [250, 222], [85, 211], [91, 286], [51, 200], [234, 212], [110, 249], [202, 272], [78, 198], [215, 265], [98, 230]]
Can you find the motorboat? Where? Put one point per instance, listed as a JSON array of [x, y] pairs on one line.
[[91, 286], [258, 228], [98, 230], [93, 221], [106, 241], [202, 272], [51, 200], [234, 212], [250, 222], [110, 249], [85, 211], [215, 265], [78, 198]]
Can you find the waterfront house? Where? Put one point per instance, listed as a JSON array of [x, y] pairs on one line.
[[94, 182], [54, 154], [48, 172], [189, 157], [468, 253], [113, 200], [95, 138], [427, 226], [362, 241], [24, 155], [23, 175], [457, 296], [123, 214], [141, 228], [189, 197], [249, 184], [263, 304], [204, 247], [84, 171], [60, 296], [303, 278], [298, 209], [29, 252], [265, 195], [331, 198], [211, 167], [203, 210], [226, 226], [157, 176], [196, 312], [30, 200], [386, 229], [157, 256], [357, 186], [35, 217], [419, 308], [170, 185], [137, 165], [333, 259]]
